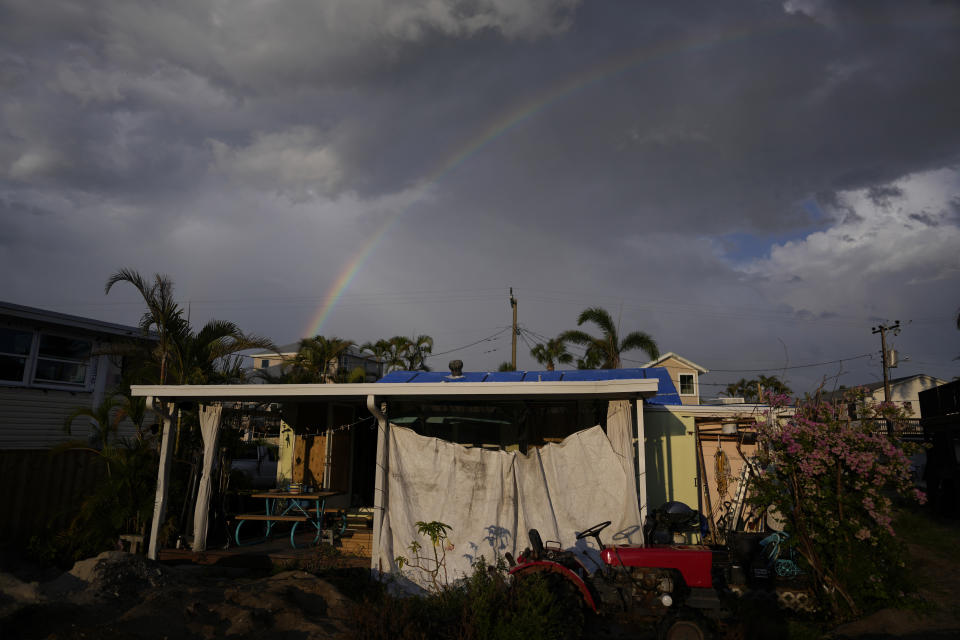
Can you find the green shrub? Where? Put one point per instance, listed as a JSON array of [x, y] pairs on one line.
[[486, 605]]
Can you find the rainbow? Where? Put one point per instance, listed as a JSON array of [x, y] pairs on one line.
[[516, 116]]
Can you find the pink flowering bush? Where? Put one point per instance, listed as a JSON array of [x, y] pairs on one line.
[[834, 481]]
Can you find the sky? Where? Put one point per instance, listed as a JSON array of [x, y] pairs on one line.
[[755, 184]]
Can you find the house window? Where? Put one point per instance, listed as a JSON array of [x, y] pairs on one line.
[[264, 364], [687, 387], [14, 353], [62, 360], [44, 359]]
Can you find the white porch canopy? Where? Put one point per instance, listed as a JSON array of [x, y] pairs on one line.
[[622, 438]]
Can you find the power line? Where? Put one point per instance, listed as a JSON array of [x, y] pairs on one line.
[[796, 366], [442, 353], [776, 367]]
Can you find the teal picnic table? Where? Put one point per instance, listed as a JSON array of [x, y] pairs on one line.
[[283, 506]]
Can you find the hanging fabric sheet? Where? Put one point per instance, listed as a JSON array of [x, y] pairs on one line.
[[492, 498]]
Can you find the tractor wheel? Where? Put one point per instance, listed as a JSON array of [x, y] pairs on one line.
[[683, 625]]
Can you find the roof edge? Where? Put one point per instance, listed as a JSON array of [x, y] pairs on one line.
[[637, 388], [35, 314], [671, 354]]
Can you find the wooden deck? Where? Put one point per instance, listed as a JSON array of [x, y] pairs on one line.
[[354, 547]]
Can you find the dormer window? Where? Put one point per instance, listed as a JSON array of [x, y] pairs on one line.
[[688, 384]]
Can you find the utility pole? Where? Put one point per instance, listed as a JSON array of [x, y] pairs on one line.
[[513, 347], [882, 330]]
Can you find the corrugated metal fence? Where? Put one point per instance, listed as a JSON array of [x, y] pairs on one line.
[[40, 489]]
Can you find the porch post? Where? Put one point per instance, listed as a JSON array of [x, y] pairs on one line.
[[163, 475], [641, 458], [210, 430], [380, 488]]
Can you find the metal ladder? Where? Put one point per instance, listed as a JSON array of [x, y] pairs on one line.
[[736, 508]]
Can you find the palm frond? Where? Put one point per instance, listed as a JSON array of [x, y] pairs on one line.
[[600, 317], [642, 341]]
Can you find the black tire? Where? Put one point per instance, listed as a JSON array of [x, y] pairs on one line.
[[683, 625]]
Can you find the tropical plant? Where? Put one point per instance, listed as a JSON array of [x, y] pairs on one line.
[[104, 420], [163, 314], [484, 604], [398, 348], [380, 350], [832, 480], [742, 388], [506, 366], [433, 567], [121, 502], [773, 385], [417, 351], [757, 389], [312, 364], [401, 352], [212, 355], [604, 351], [134, 409], [551, 353]]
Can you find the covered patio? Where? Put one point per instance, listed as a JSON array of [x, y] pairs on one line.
[[484, 419]]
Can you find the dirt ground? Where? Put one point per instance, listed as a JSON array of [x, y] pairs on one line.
[[117, 595], [121, 596], [939, 578]]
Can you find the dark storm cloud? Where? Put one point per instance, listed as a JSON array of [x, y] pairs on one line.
[[747, 115], [608, 148], [882, 196]]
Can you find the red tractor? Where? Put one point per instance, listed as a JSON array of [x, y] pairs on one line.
[[689, 591]]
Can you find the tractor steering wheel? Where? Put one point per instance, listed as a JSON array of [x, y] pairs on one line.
[[593, 531]]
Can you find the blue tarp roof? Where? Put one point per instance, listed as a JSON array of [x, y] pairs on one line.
[[666, 394]]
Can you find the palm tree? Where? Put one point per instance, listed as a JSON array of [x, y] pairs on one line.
[[212, 355], [314, 355], [380, 351], [751, 390], [551, 353], [104, 420], [208, 356], [604, 351], [163, 314], [396, 356], [131, 407], [742, 388], [401, 352], [774, 385], [418, 350]]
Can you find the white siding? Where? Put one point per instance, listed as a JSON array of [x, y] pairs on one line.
[[33, 418]]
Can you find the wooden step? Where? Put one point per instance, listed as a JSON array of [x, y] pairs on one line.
[[356, 542]]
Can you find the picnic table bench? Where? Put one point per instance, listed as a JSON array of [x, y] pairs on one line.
[[283, 506]]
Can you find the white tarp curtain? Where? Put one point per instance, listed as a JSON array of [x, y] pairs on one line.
[[492, 498], [620, 433], [210, 430]]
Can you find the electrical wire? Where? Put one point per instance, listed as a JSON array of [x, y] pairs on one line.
[[488, 338], [796, 366]]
